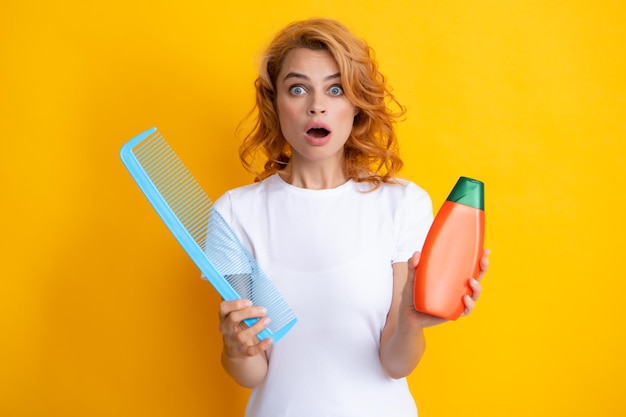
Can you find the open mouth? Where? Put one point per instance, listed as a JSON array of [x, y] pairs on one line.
[[318, 132]]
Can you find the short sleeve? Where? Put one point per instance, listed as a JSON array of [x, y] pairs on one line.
[[414, 219], [223, 248]]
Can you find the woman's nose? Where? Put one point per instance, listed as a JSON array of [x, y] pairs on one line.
[[317, 106]]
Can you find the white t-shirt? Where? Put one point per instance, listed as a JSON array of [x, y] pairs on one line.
[[330, 254]]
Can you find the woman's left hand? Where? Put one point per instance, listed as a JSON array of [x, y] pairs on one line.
[[420, 319]]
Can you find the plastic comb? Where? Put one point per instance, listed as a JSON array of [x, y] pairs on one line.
[[202, 232]]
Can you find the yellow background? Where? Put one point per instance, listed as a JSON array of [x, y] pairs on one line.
[[102, 314]]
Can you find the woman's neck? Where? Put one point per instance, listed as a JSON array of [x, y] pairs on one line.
[[314, 176]]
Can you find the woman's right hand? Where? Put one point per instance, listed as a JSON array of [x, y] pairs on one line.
[[240, 341]]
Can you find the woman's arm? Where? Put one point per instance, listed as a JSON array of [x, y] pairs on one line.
[[402, 342], [243, 356]]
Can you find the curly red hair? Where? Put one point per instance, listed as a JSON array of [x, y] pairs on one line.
[[371, 151]]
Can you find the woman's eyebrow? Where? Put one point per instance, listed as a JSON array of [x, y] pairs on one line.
[[305, 77]]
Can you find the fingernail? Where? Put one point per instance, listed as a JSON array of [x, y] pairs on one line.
[[262, 311]]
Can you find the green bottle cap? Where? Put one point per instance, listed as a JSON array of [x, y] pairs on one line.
[[469, 192]]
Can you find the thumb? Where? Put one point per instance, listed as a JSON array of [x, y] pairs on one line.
[[414, 260]]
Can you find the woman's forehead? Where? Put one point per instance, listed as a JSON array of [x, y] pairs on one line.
[[304, 63]]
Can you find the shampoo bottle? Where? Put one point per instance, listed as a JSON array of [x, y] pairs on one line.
[[452, 251]]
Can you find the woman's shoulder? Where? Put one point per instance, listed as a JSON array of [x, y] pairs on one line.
[[253, 187], [402, 188], [248, 192]]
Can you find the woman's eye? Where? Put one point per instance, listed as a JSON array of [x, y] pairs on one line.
[[335, 90], [297, 90]]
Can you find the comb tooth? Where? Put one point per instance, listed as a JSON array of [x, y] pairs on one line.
[[144, 147], [271, 299], [189, 212], [197, 229], [150, 147], [148, 151], [197, 226], [158, 160], [161, 170], [179, 195], [194, 210], [182, 187], [184, 195], [187, 200], [167, 172]]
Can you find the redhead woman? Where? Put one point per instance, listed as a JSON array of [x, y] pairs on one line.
[[335, 228]]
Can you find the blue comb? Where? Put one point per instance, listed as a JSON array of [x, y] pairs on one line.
[[202, 232]]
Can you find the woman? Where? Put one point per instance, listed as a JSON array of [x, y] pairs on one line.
[[333, 227]]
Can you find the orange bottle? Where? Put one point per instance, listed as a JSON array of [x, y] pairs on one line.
[[452, 252]]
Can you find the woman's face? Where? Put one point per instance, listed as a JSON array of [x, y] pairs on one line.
[[315, 116]]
